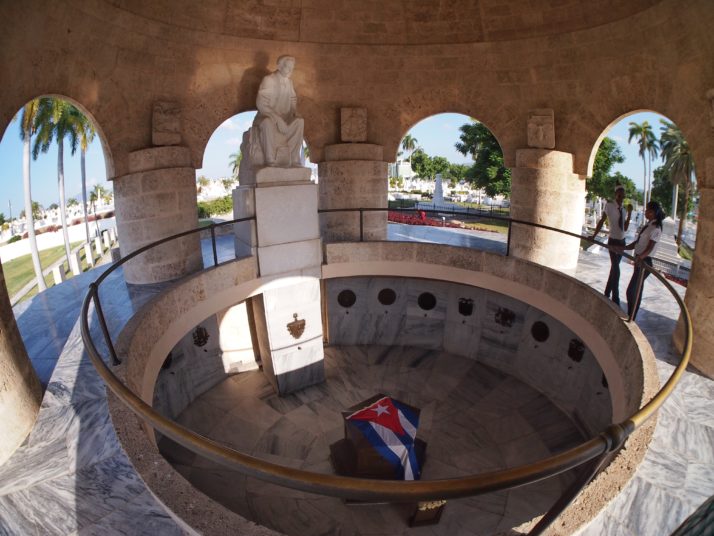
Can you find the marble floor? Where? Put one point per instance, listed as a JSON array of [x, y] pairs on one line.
[[473, 418], [71, 475]]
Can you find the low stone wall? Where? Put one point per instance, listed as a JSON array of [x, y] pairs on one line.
[[490, 327], [153, 331], [630, 369]]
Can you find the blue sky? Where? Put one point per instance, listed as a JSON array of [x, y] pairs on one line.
[[437, 135], [43, 172]]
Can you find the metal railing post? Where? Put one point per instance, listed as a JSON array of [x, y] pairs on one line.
[[94, 290], [213, 244], [508, 240], [615, 437], [361, 225]]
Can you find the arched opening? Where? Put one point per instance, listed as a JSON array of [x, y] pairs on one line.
[[65, 184], [220, 171], [449, 168], [649, 156]]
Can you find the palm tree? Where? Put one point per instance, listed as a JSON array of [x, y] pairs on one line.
[[98, 193], [234, 162], [85, 132], [409, 143], [648, 149], [56, 119], [27, 116], [678, 164]]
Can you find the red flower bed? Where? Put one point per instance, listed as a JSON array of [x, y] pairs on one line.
[[419, 219]]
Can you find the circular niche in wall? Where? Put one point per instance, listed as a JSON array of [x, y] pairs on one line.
[[426, 301], [346, 298], [387, 296], [540, 331]]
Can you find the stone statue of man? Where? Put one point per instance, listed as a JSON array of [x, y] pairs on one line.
[[278, 127]]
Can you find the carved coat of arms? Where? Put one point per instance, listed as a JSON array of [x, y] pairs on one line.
[[296, 327]]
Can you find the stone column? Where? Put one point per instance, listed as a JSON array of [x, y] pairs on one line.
[[545, 190], [20, 390], [353, 175], [155, 200], [285, 237], [158, 199], [699, 298]]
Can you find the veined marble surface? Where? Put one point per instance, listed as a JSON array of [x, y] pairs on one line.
[[71, 476]]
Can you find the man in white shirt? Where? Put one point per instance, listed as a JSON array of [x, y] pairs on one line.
[[618, 221]]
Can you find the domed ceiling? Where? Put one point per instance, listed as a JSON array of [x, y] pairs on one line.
[[398, 22]]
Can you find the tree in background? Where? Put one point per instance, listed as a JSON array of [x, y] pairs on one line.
[[72, 202], [409, 143], [2, 219], [488, 171], [427, 167], [98, 193], [678, 164], [53, 206], [234, 162], [603, 181], [647, 142], [37, 210], [457, 172], [56, 120], [663, 191], [601, 184], [27, 117], [86, 133]]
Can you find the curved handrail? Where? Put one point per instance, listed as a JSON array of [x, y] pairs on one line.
[[596, 448]]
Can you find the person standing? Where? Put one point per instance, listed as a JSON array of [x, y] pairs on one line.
[[644, 246], [618, 221]]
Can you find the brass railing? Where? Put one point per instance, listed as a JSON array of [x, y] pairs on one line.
[[589, 456]]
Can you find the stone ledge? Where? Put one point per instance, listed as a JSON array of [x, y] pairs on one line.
[[159, 158], [354, 151]]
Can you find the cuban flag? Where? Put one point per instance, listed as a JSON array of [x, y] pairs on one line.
[[391, 428]]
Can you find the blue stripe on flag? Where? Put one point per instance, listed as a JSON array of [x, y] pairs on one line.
[[373, 437]]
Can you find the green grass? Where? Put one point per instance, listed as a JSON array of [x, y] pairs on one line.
[[401, 203], [19, 272], [685, 252]]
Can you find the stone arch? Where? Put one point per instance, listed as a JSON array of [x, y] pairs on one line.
[[431, 115], [606, 130], [214, 125], [108, 158]]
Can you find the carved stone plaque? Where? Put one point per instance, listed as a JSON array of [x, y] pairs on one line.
[[166, 123], [353, 124], [541, 129], [296, 327]]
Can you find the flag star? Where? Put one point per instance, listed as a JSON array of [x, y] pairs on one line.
[[381, 409]]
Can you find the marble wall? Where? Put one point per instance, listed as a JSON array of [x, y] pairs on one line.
[[202, 359], [487, 326], [193, 366]]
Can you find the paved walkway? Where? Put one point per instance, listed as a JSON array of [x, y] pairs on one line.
[[71, 476]]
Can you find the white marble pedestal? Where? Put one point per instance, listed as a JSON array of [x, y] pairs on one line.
[[285, 237]]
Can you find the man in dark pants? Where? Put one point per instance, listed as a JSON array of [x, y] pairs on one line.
[[618, 221]]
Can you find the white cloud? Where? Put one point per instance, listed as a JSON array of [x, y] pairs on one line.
[[228, 124], [620, 139], [233, 141]]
